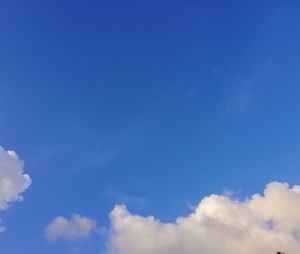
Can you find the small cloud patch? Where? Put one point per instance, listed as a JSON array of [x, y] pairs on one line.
[[74, 228]]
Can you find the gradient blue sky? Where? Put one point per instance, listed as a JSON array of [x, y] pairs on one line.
[[154, 104]]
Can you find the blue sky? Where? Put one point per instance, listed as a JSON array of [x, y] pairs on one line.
[[151, 104]]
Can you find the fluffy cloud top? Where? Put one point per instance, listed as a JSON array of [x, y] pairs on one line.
[[76, 227], [13, 181], [219, 225]]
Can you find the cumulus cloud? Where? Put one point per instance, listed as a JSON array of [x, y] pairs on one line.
[[263, 223], [13, 181], [77, 227]]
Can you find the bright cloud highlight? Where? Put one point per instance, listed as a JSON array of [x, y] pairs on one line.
[[77, 227], [219, 225], [13, 180]]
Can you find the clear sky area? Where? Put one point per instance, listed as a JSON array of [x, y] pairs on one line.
[[126, 116]]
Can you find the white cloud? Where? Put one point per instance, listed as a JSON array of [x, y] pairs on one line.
[[76, 227], [219, 225], [13, 181]]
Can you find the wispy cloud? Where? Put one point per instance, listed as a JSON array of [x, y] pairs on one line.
[[123, 198], [241, 95], [2, 228]]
